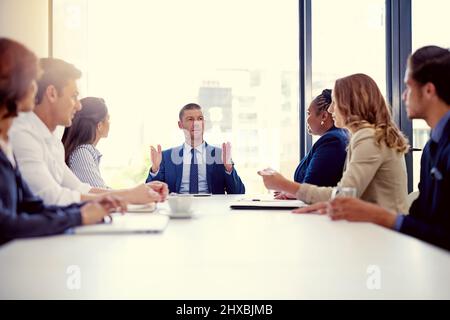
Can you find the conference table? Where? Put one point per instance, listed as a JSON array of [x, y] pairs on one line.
[[222, 253]]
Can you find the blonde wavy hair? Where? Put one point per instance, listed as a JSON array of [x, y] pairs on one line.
[[362, 105]]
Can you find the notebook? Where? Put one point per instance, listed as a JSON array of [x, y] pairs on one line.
[[127, 224], [265, 204]]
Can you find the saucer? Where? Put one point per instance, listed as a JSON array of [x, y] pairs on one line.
[[181, 215]]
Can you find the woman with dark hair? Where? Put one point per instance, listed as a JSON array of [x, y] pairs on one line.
[[375, 165], [324, 163], [89, 125], [22, 214]]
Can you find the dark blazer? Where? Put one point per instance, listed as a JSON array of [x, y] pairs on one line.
[[218, 180], [429, 215], [24, 215], [324, 164]]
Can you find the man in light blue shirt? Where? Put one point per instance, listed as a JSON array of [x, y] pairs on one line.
[[195, 167], [200, 154]]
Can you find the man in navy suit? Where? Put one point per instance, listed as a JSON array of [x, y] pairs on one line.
[[195, 167]]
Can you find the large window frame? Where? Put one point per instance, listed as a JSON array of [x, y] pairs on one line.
[[399, 43], [398, 47]]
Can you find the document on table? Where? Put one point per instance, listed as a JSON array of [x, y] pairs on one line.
[[267, 204], [128, 223]]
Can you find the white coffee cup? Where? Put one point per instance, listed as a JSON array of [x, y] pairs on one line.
[[180, 205]]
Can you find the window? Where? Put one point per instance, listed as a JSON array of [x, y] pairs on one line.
[[348, 36], [429, 27], [238, 59]]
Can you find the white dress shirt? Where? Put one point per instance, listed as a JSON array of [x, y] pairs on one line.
[[40, 157]]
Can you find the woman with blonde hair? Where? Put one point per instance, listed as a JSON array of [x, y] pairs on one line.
[[375, 164]]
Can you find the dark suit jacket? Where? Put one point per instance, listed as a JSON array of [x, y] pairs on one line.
[[324, 164], [24, 215], [219, 182], [429, 215]]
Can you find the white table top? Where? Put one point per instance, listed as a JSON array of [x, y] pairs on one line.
[[227, 254]]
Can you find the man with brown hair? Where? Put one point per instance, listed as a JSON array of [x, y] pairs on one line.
[[22, 214], [195, 167], [40, 154]]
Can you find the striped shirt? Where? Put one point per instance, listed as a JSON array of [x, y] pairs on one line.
[[84, 163]]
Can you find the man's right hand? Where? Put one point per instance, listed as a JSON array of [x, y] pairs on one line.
[[156, 157], [94, 211]]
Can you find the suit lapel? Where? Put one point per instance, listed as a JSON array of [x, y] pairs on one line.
[[179, 171], [209, 164]]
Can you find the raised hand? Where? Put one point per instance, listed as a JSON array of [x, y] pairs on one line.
[[226, 156], [156, 157]]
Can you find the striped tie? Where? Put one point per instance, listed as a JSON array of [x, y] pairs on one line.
[[193, 177]]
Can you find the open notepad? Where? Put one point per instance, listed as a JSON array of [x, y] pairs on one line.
[[267, 204]]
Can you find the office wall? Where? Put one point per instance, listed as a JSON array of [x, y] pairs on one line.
[[26, 21]]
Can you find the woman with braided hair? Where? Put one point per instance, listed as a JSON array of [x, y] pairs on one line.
[[324, 163], [375, 164]]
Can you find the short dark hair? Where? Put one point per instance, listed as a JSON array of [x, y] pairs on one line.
[[84, 124], [18, 68], [56, 72], [432, 64], [322, 101], [189, 106]]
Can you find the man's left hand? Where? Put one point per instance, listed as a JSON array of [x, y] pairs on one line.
[[226, 157]]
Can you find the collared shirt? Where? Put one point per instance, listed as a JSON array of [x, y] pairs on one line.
[[84, 163], [438, 131], [200, 154], [201, 162], [40, 157]]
